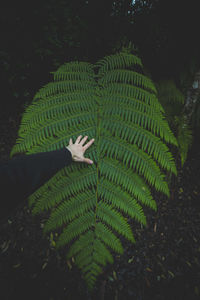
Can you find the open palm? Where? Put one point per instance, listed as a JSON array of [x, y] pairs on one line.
[[77, 149]]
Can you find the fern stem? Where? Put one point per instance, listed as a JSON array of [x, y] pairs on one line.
[[98, 154]]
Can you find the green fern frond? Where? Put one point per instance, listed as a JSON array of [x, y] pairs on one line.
[[52, 89], [69, 209], [128, 90], [52, 133], [64, 188], [74, 229], [62, 75], [116, 172], [107, 236], [84, 80], [129, 77], [169, 93], [117, 105], [114, 219], [58, 105], [81, 243], [75, 66], [144, 139], [184, 136], [136, 159], [121, 200], [172, 100], [118, 61]]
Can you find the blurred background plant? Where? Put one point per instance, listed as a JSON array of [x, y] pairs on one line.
[[173, 100]]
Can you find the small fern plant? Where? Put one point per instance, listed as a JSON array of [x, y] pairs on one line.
[[89, 207], [172, 100]]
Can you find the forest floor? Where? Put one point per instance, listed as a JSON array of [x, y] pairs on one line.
[[164, 264]]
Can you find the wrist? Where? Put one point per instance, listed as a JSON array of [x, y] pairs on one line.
[[70, 151]]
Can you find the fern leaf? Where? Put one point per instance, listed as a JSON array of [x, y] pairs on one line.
[[114, 219], [117, 61], [70, 209], [129, 77], [115, 172], [137, 159], [74, 229], [62, 105], [64, 189], [121, 200], [106, 235], [91, 205], [184, 136], [144, 139]]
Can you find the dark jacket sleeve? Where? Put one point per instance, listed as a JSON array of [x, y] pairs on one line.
[[22, 175]]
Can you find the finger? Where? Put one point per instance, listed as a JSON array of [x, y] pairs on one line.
[[88, 144], [88, 161], [83, 140], [78, 139], [70, 141]]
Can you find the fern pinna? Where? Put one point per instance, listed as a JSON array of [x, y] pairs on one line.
[[116, 104]]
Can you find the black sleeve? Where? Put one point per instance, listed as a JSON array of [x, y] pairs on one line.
[[22, 175]]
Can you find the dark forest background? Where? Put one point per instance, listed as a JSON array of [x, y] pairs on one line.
[[39, 36]]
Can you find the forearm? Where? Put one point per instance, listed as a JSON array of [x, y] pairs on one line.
[[22, 175]]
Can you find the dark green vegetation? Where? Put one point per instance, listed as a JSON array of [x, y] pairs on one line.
[[39, 37]]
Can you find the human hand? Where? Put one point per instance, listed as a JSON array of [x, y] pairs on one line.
[[77, 149]]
